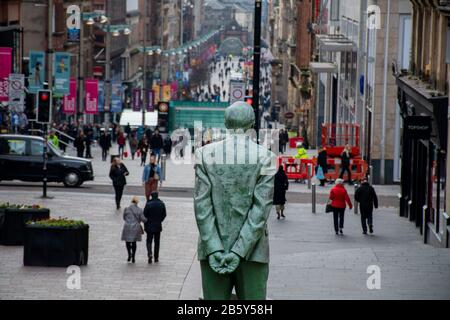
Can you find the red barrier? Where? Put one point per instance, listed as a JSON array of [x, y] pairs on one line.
[[358, 168], [293, 142], [297, 169], [336, 137]]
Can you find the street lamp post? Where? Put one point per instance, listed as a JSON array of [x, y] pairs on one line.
[[256, 65], [145, 100], [107, 85]]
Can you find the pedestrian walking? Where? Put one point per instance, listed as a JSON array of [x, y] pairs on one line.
[[118, 175], [367, 198], [279, 196], [285, 140], [346, 164], [79, 144], [322, 166], [167, 147], [155, 213], [88, 142], [105, 143], [121, 142], [339, 200], [143, 148], [132, 229], [156, 143], [134, 144], [151, 176], [148, 134]]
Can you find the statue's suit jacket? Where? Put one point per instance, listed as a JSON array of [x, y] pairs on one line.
[[233, 201]]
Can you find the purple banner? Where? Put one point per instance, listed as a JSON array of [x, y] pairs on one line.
[[150, 105], [137, 100]]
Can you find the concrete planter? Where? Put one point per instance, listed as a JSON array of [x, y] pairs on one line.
[[55, 246], [13, 221]]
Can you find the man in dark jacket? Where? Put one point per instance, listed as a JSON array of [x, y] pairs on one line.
[[79, 144], [367, 198], [105, 144], [155, 212], [88, 141], [156, 143]]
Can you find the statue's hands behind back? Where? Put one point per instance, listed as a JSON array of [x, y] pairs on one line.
[[215, 261], [229, 263], [222, 263]]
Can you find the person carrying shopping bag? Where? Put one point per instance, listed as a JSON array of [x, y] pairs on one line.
[[322, 166], [132, 229]]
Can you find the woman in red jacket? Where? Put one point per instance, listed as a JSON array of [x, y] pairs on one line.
[[121, 141], [339, 200]]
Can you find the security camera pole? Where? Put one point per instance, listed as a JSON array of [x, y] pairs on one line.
[[257, 65]]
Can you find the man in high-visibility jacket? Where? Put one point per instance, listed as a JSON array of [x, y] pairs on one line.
[[301, 152], [53, 138]]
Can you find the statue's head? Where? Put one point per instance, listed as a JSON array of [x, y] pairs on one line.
[[239, 116]]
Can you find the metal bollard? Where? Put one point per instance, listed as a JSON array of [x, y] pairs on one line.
[[309, 175], [424, 229], [163, 166], [313, 200], [446, 225], [371, 175], [356, 202]]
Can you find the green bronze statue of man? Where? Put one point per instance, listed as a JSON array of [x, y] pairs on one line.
[[233, 197]]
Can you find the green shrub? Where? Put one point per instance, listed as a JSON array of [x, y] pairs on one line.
[[8, 205], [59, 223]]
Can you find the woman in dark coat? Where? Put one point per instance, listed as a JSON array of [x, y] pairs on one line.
[[279, 196], [322, 163], [117, 174], [167, 146], [143, 147]]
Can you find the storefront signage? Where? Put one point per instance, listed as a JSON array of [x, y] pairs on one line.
[[163, 117], [418, 127], [289, 115]]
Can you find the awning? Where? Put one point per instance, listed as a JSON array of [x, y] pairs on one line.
[[335, 43], [323, 67], [135, 118]]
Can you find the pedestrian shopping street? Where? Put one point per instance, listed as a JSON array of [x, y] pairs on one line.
[[308, 261]]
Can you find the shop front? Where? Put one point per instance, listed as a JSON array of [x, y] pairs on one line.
[[423, 156]]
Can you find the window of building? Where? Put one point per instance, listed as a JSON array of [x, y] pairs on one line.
[[334, 10]]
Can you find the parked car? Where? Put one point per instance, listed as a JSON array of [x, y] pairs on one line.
[[21, 158]]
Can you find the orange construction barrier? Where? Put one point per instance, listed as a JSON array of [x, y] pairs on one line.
[[297, 169], [293, 142], [358, 167]]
